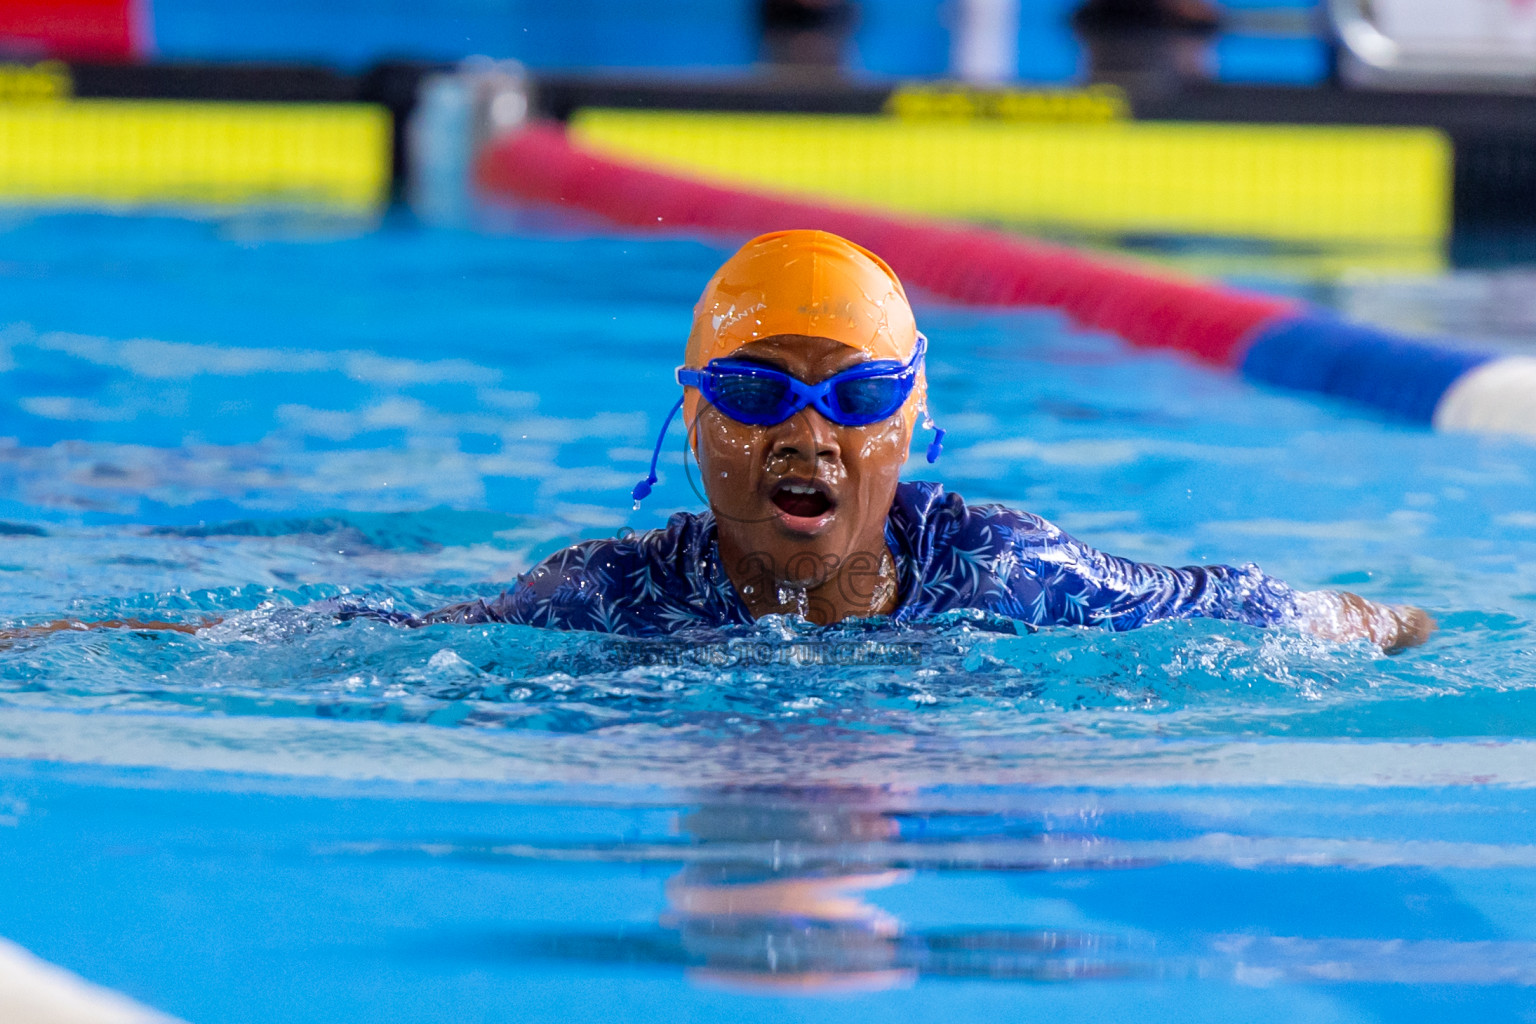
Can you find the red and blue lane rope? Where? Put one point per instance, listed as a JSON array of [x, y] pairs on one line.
[[1275, 342]]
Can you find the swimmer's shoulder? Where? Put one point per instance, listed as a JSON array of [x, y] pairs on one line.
[[610, 563], [947, 518]]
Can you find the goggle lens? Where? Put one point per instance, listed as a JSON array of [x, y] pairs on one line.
[[866, 400], [750, 398]]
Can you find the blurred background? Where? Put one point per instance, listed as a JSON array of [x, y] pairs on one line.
[[991, 40], [1040, 78]]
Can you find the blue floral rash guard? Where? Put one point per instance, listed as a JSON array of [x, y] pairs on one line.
[[949, 555]]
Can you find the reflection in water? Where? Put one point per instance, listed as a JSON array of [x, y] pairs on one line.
[[776, 895], [788, 890], [784, 923]]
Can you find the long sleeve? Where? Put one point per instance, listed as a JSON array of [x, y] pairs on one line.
[[999, 560], [643, 584], [562, 592], [1068, 582], [558, 593]]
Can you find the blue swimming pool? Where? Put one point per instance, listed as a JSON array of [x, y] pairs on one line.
[[285, 818]]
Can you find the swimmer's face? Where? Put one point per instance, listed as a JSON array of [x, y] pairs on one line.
[[803, 496]]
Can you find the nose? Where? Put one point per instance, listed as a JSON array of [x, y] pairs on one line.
[[806, 436]]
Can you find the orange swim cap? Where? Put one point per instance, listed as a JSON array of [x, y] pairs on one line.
[[802, 282]]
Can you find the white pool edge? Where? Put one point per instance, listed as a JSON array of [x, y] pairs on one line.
[[34, 991]]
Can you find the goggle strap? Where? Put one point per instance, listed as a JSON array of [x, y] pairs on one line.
[[643, 488]]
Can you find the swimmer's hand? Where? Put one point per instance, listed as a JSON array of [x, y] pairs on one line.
[[1344, 616], [70, 625]]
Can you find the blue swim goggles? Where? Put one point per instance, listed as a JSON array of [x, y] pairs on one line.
[[761, 396]]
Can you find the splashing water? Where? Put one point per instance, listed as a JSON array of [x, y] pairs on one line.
[[277, 418]]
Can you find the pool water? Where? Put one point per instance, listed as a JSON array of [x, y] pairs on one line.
[[286, 818]]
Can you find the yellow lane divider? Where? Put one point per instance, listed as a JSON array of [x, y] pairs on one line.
[[153, 152], [1324, 184]]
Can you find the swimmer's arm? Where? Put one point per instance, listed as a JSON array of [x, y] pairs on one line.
[[1152, 592], [466, 613], [1249, 595], [1342, 616], [74, 625], [555, 594]]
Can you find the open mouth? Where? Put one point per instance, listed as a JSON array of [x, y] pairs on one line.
[[801, 500]]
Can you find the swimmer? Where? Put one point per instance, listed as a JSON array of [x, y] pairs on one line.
[[802, 385]]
